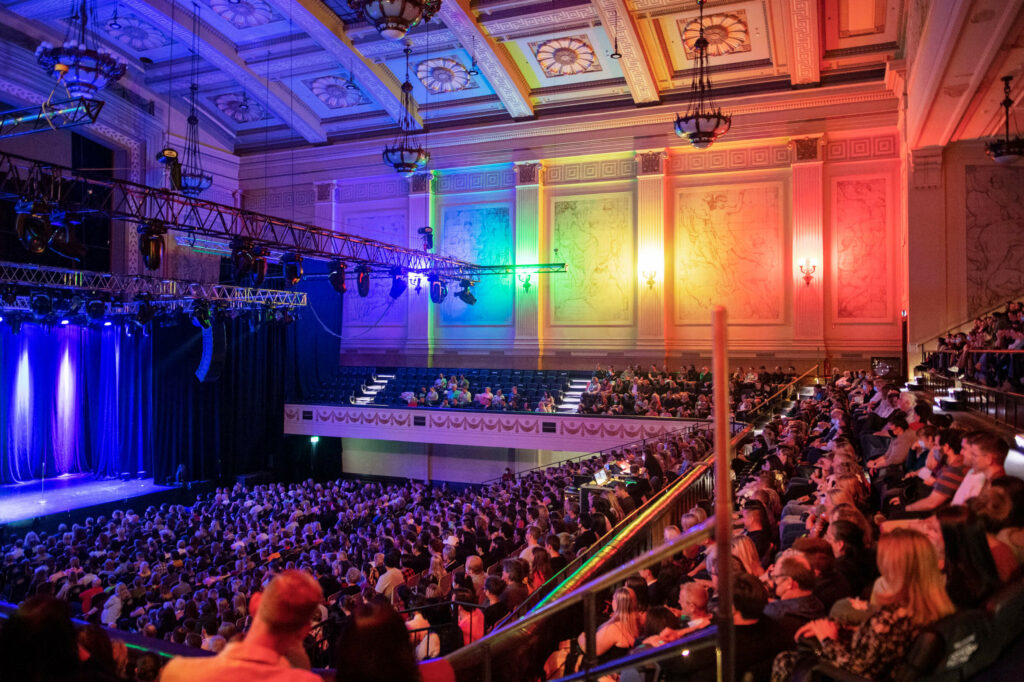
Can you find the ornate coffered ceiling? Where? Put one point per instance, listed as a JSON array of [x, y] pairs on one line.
[[284, 73]]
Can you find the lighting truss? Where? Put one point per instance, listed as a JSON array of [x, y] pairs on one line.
[[122, 200], [126, 288], [55, 115]]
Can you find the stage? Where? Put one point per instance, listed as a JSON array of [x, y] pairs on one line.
[[63, 494]]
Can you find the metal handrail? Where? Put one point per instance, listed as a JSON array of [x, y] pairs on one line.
[[696, 641], [471, 658], [955, 351]]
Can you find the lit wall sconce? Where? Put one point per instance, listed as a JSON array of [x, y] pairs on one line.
[[808, 268], [525, 279], [650, 276]]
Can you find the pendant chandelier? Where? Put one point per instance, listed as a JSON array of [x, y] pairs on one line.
[[79, 62], [194, 181], [704, 122], [394, 18], [1006, 151], [403, 155]]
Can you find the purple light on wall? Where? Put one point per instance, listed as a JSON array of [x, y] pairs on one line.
[[67, 409], [22, 400]]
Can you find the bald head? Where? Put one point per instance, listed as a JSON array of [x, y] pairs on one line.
[[289, 602]]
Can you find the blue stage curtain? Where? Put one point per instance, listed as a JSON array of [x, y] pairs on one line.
[[223, 428], [73, 400]]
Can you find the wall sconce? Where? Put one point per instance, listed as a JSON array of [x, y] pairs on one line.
[[525, 279], [807, 269], [650, 276]]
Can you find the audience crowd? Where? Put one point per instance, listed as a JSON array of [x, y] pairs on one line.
[[684, 394], [454, 391], [863, 517], [971, 355]]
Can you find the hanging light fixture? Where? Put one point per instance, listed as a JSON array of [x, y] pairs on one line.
[[1006, 151], [615, 50], [194, 181], [704, 122], [394, 18], [473, 71], [79, 62], [402, 155]]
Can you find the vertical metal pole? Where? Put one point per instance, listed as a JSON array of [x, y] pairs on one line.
[[487, 662], [590, 631], [723, 495]]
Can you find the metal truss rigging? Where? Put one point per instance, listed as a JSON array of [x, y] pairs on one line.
[[53, 116], [125, 289], [161, 209]]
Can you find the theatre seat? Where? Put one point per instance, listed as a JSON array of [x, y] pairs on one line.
[[1006, 608]]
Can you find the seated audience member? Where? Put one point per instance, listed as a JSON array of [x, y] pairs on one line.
[[494, 589], [1001, 509], [984, 454], [946, 478], [693, 603], [470, 619], [829, 584], [972, 571], [515, 592], [373, 646], [910, 594], [619, 633], [38, 643], [282, 620], [794, 583]]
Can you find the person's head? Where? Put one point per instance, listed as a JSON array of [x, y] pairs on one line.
[[38, 642], [971, 574], [984, 450], [819, 554], [898, 423], [749, 596], [910, 576], [693, 600], [474, 565], [147, 667], [657, 619], [793, 576], [755, 516], [846, 537], [287, 606], [512, 571], [374, 646], [1001, 505], [494, 587]]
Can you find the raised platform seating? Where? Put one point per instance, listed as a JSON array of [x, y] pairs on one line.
[[531, 384], [341, 387]]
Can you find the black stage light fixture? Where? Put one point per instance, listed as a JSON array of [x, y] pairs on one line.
[[151, 243], [465, 294], [10, 295], [248, 263], [428, 237], [41, 305], [96, 308], [363, 280], [145, 313], [201, 315], [64, 242], [33, 225], [336, 276], [291, 266], [398, 283], [438, 289]]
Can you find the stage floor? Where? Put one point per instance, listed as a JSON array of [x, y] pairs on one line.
[[28, 500]]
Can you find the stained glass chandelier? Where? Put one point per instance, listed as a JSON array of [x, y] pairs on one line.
[[704, 122], [394, 18], [1006, 151], [403, 154], [194, 181], [79, 62]]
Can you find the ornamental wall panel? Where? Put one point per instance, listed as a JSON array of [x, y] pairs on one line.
[[730, 250], [862, 252], [594, 235], [479, 233], [377, 309], [995, 240]]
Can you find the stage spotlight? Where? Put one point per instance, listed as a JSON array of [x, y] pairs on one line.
[[10, 295], [65, 322], [151, 243], [291, 267], [63, 242], [41, 305], [249, 263], [108, 323], [75, 304], [363, 280], [33, 225], [428, 237], [145, 312], [466, 294], [201, 316], [96, 308], [438, 289], [167, 156], [337, 276], [398, 283]]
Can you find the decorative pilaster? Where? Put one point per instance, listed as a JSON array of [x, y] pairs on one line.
[[527, 241], [419, 338], [325, 205], [808, 240], [929, 241], [650, 264]]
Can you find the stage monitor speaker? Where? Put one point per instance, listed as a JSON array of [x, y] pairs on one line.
[[211, 364]]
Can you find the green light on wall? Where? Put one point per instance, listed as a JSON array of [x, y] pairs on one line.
[[314, 439]]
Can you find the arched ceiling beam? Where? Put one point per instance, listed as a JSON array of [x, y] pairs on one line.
[[618, 22]]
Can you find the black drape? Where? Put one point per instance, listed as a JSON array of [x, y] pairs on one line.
[[223, 428], [313, 340]]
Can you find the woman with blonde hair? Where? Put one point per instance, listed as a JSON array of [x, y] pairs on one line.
[[619, 633], [744, 549], [910, 594]]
